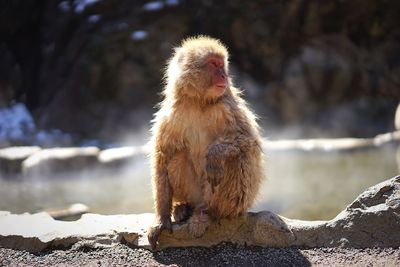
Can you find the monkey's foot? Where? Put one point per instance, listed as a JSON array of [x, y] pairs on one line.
[[155, 231], [182, 212], [198, 224]]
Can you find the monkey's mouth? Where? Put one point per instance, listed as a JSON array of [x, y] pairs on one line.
[[219, 90], [220, 87]]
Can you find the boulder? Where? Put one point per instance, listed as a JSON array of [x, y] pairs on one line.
[[371, 220], [11, 158]]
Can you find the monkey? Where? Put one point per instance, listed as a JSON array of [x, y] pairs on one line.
[[206, 156]]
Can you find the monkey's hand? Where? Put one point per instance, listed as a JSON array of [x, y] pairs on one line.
[[216, 157], [155, 231], [214, 165]]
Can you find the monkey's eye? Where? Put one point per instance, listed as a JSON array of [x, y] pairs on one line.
[[215, 62]]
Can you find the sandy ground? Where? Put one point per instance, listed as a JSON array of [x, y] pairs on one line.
[[222, 255]]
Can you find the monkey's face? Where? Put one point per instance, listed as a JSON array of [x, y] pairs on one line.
[[206, 77], [218, 77]]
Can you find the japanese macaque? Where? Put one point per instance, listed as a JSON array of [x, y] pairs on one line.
[[206, 149]]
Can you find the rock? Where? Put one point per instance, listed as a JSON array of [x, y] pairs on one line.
[[71, 211], [387, 138], [36, 232], [372, 220], [118, 156], [261, 229], [333, 144], [11, 158], [60, 160], [34, 160]]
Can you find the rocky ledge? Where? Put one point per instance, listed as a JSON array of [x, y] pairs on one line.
[[37, 161], [372, 220]]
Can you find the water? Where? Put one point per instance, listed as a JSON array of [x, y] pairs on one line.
[[302, 185], [316, 186]]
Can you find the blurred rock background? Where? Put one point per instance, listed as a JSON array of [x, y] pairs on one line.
[[93, 68]]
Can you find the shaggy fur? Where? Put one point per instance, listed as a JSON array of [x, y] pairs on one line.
[[206, 150]]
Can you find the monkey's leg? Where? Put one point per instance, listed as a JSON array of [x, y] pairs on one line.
[[238, 187], [187, 188], [185, 184], [239, 161]]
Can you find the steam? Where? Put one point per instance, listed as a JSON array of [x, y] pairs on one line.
[[303, 184]]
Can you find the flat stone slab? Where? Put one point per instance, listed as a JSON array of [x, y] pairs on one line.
[[121, 155], [11, 158], [37, 232], [65, 159], [18, 152], [372, 220], [334, 144]]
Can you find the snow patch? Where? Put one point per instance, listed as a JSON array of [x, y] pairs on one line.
[[139, 35], [80, 5], [153, 6], [16, 122], [18, 127]]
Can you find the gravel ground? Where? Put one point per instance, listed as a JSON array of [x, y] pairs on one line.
[[222, 255]]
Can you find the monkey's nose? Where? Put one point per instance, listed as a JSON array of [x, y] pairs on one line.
[[221, 73]]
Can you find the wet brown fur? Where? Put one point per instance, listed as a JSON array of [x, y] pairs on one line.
[[206, 156]]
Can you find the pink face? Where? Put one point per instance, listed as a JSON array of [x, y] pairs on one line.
[[219, 78]]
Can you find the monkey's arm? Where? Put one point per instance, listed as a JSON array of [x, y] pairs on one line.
[[162, 196], [228, 148]]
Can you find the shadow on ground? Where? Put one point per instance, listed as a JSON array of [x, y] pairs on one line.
[[232, 255]]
